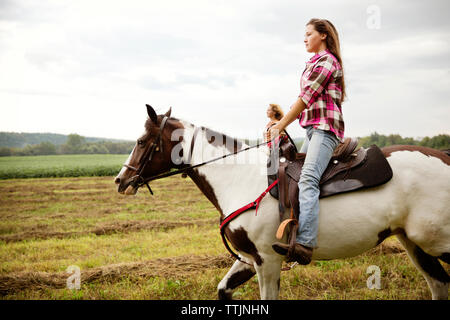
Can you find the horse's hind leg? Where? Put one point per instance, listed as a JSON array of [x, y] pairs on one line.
[[435, 275], [237, 275]]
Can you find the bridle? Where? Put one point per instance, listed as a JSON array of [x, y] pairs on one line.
[[138, 180]]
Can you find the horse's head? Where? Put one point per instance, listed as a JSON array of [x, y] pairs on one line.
[[152, 153]]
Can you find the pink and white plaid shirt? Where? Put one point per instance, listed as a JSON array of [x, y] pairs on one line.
[[321, 92]]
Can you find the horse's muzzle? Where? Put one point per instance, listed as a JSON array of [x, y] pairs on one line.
[[127, 187], [130, 190]]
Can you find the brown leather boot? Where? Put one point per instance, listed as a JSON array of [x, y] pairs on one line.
[[299, 253]]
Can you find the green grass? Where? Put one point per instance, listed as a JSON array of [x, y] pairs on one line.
[[61, 166]]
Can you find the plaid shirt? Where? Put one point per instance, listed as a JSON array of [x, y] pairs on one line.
[[321, 92]]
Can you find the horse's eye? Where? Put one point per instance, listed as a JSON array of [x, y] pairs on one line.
[[140, 142]]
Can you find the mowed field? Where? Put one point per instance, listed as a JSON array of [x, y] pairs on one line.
[[163, 247]]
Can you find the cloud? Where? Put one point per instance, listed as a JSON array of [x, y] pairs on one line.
[[218, 63]]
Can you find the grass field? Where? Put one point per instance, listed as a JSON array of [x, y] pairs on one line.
[[162, 247], [61, 166]]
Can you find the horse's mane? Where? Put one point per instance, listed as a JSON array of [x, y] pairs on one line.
[[214, 137]]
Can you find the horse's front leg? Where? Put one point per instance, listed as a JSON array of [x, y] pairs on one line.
[[238, 274], [269, 277]]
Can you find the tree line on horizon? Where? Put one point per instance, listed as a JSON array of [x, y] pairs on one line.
[[77, 144], [440, 142]]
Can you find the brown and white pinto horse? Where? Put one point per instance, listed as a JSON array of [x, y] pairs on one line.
[[414, 205]]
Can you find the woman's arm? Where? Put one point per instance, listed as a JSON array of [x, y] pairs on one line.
[[288, 118]]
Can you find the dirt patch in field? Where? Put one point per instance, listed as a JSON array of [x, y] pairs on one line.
[[176, 267], [37, 235], [105, 229], [388, 247], [129, 226]]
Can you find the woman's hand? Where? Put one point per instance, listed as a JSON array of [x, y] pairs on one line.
[[274, 132], [295, 110]]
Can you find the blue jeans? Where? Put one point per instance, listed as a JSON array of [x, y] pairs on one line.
[[319, 146]]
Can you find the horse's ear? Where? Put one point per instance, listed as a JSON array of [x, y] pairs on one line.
[[167, 114], [151, 113]]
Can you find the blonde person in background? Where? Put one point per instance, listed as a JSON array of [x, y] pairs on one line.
[[274, 113]]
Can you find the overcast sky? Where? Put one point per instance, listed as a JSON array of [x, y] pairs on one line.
[[89, 67]]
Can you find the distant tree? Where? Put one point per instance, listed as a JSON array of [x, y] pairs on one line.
[[118, 147], [383, 141], [45, 148], [26, 151], [394, 139], [93, 148], [424, 142], [441, 142], [73, 144], [75, 140], [4, 152], [410, 141]]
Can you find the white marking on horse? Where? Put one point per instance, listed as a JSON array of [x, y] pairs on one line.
[[126, 163]]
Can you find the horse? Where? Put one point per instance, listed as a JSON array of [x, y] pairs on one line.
[[414, 204]]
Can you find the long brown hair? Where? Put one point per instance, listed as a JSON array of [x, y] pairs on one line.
[[324, 26]]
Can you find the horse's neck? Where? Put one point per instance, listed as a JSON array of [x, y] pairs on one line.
[[233, 181]]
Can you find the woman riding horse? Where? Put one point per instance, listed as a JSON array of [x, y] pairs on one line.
[[319, 109]]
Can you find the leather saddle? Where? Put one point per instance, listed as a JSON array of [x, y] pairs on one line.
[[349, 169]]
